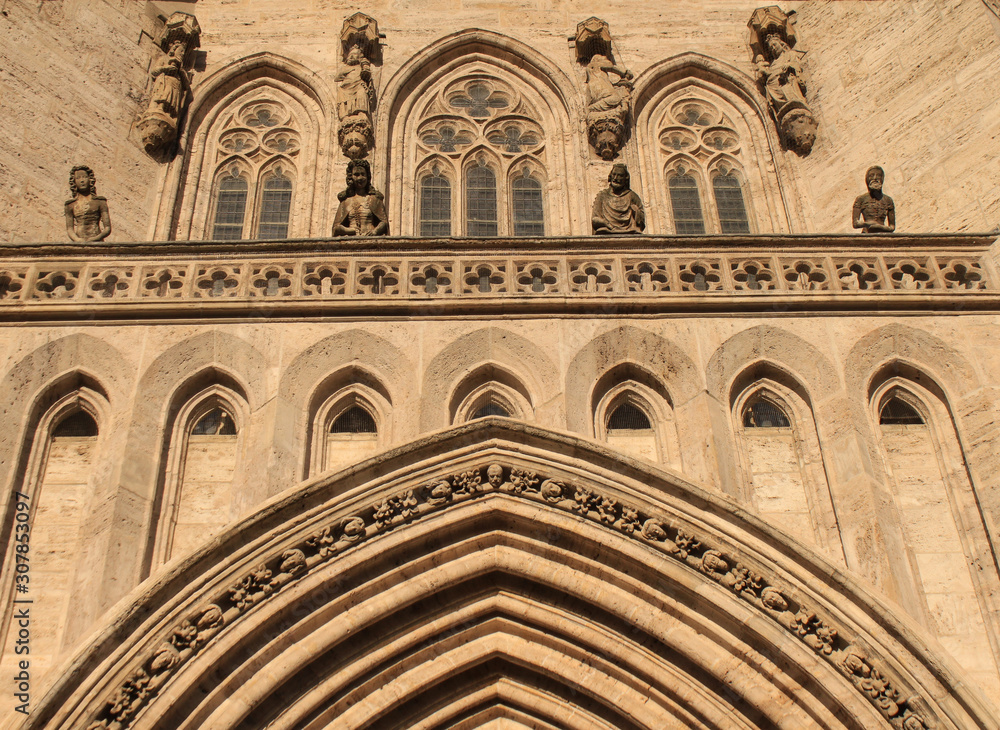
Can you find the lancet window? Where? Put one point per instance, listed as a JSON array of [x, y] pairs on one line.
[[351, 434], [203, 462], [779, 449], [480, 162], [939, 518], [633, 413], [349, 421], [57, 484]]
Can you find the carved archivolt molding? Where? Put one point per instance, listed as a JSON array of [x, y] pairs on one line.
[[220, 612]]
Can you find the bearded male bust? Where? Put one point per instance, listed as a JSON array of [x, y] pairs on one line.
[[617, 209]]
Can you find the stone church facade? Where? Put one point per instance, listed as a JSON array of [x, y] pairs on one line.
[[724, 462]]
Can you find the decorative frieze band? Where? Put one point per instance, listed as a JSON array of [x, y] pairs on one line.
[[674, 542], [436, 277]]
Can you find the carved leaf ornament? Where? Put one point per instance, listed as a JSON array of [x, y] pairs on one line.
[[440, 492]]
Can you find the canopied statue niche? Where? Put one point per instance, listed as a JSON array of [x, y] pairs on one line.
[[171, 89], [781, 73], [608, 102], [356, 93]]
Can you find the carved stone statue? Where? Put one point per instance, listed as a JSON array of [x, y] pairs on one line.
[[362, 208], [874, 211], [616, 208], [781, 73], [608, 101], [171, 89], [87, 217], [356, 86]]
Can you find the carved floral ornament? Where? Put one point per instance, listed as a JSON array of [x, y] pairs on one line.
[[675, 541]]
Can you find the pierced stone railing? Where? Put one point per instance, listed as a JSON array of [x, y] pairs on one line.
[[419, 271]]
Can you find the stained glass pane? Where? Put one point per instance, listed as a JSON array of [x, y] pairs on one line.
[[275, 208], [729, 201], [230, 209], [435, 206], [686, 204], [529, 220], [481, 202]]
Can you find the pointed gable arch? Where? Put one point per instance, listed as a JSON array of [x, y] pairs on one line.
[[498, 556], [535, 100], [735, 120]]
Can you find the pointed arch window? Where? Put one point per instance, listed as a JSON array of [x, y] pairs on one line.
[[58, 481], [435, 204], [480, 201], [729, 202], [349, 421], [490, 404], [202, 470], [526, 205], [252, 148], [230, 207], [628, 417], [709, 167], [897, 412], [275, 206], [352, 435], [685, 202], [490, 391], [939, 518], [480, 160], [633, 413], [784, 480]]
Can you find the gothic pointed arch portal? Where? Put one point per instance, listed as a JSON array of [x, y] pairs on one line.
[[498, 571]]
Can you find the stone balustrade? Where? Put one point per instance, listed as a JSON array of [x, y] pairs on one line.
[[658, 271]]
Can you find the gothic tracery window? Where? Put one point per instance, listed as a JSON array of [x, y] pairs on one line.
[[700, 143], [255, 148], [480, 162]]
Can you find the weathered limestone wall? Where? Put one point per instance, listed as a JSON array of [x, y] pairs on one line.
[[891, 83], [421, 365], [72, 76], [901, 85]]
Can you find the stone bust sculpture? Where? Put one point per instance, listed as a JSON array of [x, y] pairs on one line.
[[87, 217], [362, 210], [874, 212], [616, 208]]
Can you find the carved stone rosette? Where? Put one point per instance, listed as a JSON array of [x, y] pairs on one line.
[[780, 69], [171, 85], [356, 84], [608, 102]]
